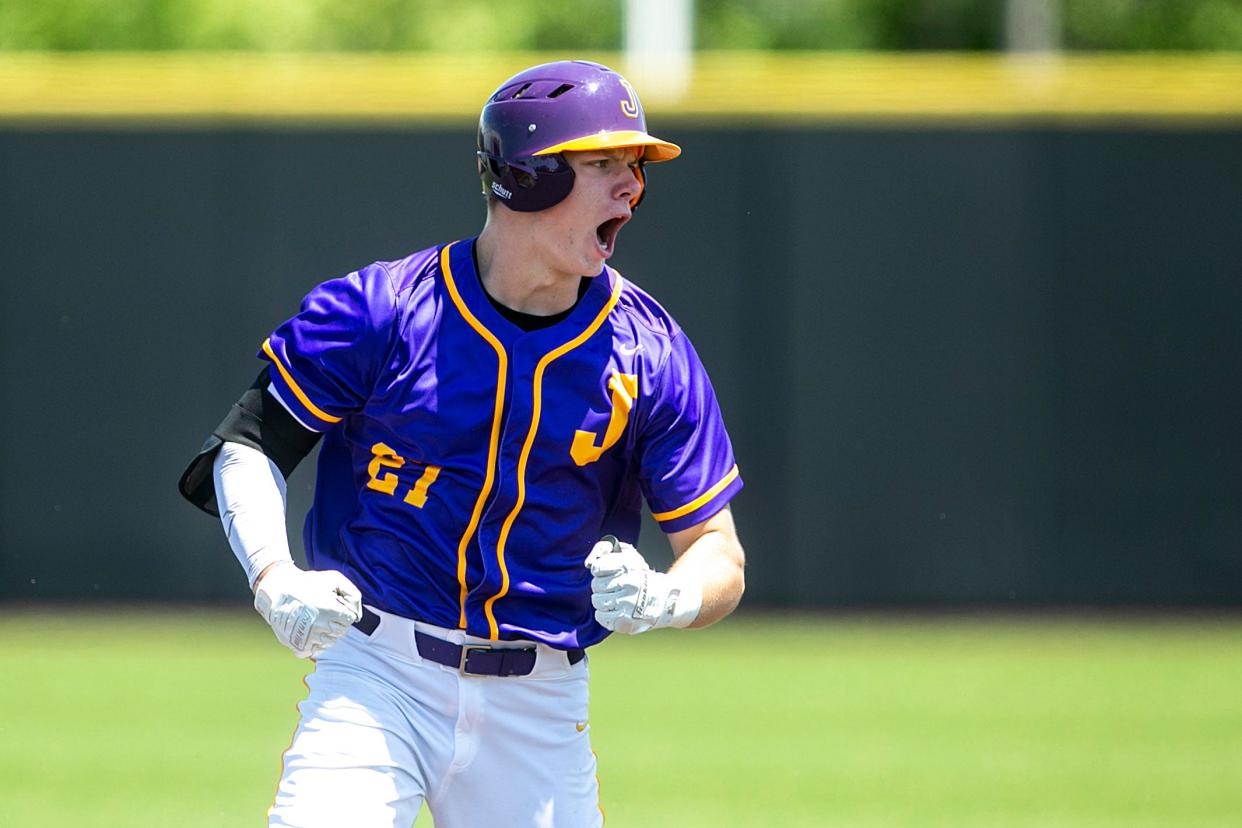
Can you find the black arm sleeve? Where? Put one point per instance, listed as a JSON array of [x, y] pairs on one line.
[[257, 420]]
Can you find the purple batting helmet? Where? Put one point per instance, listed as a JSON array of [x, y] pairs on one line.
[[548, 109]]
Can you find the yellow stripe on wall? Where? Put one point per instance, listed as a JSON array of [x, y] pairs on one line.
[[412, 89], [971, 86]]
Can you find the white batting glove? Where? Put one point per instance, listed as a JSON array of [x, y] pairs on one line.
[[308, 610], [629, 597]]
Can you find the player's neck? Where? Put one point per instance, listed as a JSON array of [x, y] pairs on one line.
[[519, 277]]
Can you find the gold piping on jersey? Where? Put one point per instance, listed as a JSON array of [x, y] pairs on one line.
[[547, 360], [297, 389], [502, 370], [700, 500]]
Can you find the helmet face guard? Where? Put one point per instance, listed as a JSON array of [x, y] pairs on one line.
[[554, 108]]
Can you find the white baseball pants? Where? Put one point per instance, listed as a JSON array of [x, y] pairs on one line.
[[383, 730]]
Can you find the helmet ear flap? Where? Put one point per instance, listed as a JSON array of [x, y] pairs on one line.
[[528, 184]]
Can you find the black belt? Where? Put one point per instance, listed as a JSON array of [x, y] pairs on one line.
[[470, 659]]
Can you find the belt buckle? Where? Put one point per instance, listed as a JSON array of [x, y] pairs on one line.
[[465, 657]]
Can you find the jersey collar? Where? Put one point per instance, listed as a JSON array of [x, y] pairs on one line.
[[464, 278]]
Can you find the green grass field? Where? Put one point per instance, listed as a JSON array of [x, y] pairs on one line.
[[178, 718]]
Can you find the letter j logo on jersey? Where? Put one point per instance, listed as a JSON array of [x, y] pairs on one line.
[[624, 388]]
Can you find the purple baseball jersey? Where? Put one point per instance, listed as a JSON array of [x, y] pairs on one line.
[[468, 466]]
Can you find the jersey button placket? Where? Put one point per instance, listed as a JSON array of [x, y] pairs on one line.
[[487, 533], [524, 355]]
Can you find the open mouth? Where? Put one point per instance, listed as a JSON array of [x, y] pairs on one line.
[[606, 233]]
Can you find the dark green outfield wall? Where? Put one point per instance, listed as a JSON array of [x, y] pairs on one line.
[[961, 366]]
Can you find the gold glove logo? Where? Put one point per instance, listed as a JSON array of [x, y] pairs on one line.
[[624, 389]]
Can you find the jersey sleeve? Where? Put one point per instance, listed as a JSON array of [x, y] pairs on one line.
[[688, 471], [326, 359]]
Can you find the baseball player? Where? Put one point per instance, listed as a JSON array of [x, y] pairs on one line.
[[493, 411]]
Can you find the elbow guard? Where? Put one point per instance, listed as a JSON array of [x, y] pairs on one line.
[[257, 420]]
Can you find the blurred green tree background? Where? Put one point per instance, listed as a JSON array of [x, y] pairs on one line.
[[490, 25]]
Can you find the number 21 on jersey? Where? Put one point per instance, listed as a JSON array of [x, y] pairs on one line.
[[386, 482]]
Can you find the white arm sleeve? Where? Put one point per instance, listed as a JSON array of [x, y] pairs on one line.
[[250, 491]]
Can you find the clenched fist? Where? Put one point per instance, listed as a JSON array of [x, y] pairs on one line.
[[630, 597], [308, 610]]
